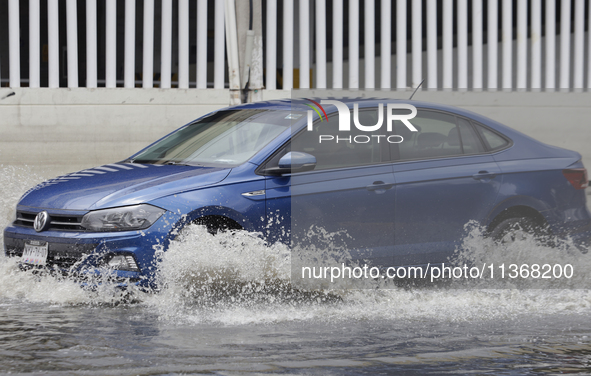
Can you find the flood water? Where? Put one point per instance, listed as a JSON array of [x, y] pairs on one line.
[[228, 309]]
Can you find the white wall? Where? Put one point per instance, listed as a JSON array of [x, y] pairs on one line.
[[87, 127], [93, 126]]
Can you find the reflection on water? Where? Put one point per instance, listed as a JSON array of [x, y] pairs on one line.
[[228, 307]]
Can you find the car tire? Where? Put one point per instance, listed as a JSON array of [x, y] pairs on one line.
[[514, 229]]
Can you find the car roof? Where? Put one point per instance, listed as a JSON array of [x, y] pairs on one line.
[[299, 104]]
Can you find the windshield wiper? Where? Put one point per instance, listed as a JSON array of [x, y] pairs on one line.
[[170, 163], [173, 163]]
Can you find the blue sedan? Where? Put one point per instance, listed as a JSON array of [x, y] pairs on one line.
[[401, 178]]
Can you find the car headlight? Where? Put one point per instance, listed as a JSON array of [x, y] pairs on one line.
[[136, 217]]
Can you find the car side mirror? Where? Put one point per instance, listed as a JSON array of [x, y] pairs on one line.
[[294, 161]]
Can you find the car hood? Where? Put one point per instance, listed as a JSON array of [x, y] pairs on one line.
[[119, 184]]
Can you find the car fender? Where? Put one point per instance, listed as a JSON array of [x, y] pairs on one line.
[[222, 200], [520, 201]]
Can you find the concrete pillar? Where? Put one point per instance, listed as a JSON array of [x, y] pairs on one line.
[[253, 73]]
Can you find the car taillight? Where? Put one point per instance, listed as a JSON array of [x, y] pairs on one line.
[[577, 177]]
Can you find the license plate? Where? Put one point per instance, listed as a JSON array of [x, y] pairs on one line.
[[35, 253]]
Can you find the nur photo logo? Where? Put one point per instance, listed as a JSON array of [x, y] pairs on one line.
[[393, 112]]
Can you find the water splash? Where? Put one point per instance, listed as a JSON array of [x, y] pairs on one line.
[[209, 274], [526, 263], [236, 279]]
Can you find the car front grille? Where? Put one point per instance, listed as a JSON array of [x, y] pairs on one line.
[[57, 222]]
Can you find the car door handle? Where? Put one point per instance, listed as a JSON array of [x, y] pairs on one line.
[[378, 186], [484, 175]]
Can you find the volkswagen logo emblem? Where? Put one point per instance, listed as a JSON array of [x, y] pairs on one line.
[[41, 221]]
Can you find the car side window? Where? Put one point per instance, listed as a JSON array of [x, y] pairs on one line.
[[493, 140], [439, 135], [346, 151]]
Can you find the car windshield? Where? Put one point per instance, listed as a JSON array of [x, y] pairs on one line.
[[224, 138]]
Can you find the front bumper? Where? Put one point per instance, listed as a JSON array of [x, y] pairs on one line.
[[85, 254]]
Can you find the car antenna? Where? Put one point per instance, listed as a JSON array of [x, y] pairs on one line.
[[7, 95], [413, 93]]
